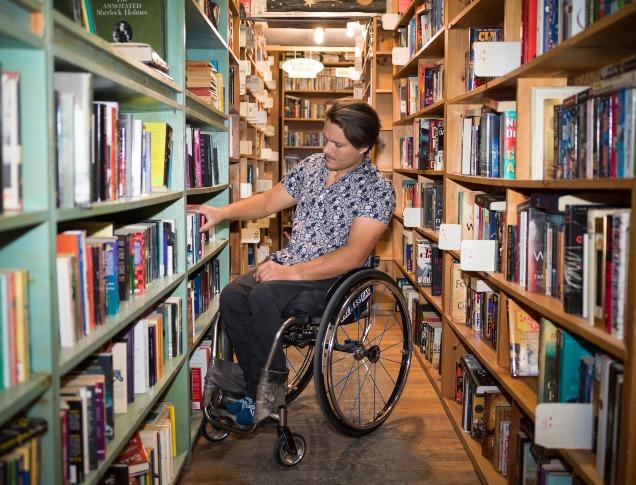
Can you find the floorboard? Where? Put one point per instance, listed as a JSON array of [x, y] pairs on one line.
[[416, 445]]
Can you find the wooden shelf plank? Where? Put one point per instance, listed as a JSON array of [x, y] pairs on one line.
[[433, 49], [428, 233], [436, 301], [14, 35], [432, 374], [321, 120], [435, 109], [127, 424], [414, 171], [483, 466], [594, 47], [407, 14], [199, 110], [522, 390], [180, 460], [121, 205], [16, 398], [203, 323], [132, 83], [577, 184], [207, 190], [129, 311], [552, 309], [10, 221], [479, 12], [209, 251], [345, 92], [200, 32]]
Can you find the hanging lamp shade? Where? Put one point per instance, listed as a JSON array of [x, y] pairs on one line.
[[302, 67]]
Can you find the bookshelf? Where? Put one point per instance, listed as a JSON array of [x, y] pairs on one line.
[[255, 165], [574, 61], [36, 40]]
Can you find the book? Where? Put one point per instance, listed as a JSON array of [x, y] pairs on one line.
[[524, 341], [134, 456], [548, 365], [142, 21]]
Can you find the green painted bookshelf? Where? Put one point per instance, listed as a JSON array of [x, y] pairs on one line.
[[36, 40]]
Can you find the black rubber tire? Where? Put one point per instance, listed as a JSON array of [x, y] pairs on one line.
[[212, 433], [282, 455], [331, 311]]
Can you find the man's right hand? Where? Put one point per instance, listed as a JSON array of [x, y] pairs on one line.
[[213, 215]]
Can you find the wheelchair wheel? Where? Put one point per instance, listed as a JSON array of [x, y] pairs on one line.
[[363, 353], [212, 433], [282, 453], [299, 364]]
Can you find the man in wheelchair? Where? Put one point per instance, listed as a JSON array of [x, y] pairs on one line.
[[343, 205]]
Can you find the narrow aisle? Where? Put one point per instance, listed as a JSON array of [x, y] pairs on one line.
[[416, 445]]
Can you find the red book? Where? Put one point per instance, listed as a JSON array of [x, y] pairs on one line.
[[532, 30], [134, 456], [139, 242], [195, 385], [64, 429], [613, 135]]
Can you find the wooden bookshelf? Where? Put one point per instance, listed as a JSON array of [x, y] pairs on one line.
[[573, 61], [37, 41]]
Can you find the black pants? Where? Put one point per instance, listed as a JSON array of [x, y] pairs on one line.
[[252, 313]]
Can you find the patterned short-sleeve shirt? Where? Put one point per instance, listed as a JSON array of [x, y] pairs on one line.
[[324, 215]]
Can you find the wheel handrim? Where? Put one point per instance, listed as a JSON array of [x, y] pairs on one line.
[[367, 359]]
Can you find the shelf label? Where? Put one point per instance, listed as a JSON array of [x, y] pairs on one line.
[[450, 236], [390, 20], [478, 255], [564, 425], [400, 56]]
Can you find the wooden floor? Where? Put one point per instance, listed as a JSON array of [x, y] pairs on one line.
[[416, 445]]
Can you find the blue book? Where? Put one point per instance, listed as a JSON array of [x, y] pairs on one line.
[[571, 351], [495, 161], [550, 24]]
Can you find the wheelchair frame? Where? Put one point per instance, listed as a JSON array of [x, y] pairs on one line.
[[348, 301]]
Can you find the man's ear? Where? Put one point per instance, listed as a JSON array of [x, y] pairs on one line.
[[363, 150]]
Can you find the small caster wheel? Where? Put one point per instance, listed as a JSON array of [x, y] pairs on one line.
[[282, 453], [213, 433]]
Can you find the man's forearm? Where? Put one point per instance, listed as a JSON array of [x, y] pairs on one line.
[[331, 265], [254, 207]]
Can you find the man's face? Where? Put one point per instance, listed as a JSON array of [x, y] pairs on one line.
[[340, 153]]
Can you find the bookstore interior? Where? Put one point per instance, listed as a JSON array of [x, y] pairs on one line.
[[508, 133]]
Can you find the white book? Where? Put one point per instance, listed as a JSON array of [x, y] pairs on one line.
[[11, 149], [66, 149], [136, 158], [65, 307], [467, 128], [620, 257], [120, 378], [81, 85], [4, 328], [523, 248], [538, 95], [630, 132], [140, 358]]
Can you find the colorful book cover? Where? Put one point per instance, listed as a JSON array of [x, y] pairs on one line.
[[125, 21], [524, 341], [548, 365], [508, 125], [571, 351]]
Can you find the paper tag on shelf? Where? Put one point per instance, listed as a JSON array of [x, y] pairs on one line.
[[390, 20], [246, 190], [251, 235], [412, 216], [564, 425], [258, 7], [496, 58], [262, 253], [245, 66], [450, 236], [263, 184], [400, 56], [478, 255]]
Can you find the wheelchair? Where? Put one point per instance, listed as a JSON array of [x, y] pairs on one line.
[[355, 343]]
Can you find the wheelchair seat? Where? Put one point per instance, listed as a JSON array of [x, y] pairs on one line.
[[309, 305]]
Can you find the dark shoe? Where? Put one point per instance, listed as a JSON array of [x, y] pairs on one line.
[[270, 394]]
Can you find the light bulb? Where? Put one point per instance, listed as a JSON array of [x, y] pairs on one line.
[[319, 35]]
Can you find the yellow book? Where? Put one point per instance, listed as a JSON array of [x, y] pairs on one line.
[[219, 91], [173, 426], [159, 140]]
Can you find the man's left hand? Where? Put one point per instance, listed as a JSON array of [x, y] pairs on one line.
[[271, 271]]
